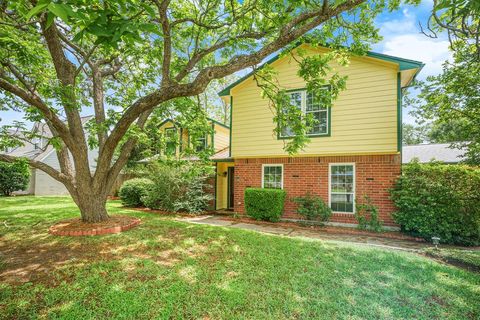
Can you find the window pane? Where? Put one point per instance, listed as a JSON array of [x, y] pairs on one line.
[[272, 177], [342, 188]]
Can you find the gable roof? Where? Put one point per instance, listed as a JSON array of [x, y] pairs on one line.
[[426, 152], [28, 149], [403, 64]]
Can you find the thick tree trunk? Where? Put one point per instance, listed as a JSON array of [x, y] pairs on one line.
[[92, 207]]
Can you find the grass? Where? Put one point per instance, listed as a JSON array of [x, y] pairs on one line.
[[167, 269]]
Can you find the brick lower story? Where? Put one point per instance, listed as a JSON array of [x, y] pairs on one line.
[[374, 176]]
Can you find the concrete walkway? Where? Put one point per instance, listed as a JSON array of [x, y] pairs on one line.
[[373, 241]]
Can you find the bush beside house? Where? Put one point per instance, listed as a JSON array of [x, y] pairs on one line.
[[179, 186], [132, 191], [313, 208], [264, 204], [14, 176], [436, 200]]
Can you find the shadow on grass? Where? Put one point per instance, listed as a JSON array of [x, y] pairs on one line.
[[169, 269]]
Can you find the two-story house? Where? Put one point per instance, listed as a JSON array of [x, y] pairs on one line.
[[355, 149], [39, 149]]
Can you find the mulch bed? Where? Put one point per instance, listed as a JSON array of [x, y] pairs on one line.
[[76, 227], [162, 212], [328, 229]]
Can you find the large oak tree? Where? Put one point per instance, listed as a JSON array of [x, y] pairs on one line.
[[121, 59]]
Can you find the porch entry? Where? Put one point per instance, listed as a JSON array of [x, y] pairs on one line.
[[231, 188]]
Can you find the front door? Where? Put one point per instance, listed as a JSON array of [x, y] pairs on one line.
[[231, 193]]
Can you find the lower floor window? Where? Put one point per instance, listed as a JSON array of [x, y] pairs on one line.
[[272, 176], [342, 187]]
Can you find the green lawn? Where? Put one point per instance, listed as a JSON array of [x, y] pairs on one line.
[[172, 270]]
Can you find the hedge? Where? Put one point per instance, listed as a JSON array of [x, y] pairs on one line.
[[437, 200], [264, 204], [132, 191]]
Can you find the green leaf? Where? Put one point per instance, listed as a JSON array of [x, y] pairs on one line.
[[60, 10], [35, 10]]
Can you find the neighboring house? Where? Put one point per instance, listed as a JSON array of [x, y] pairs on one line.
[[428, 152], [39, 150], [178, 139], [355, 150]]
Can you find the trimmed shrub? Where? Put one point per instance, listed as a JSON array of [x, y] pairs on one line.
[[264, 204], [312, 207], [179, 186], [439, 200], [367, 216], [14, 176], [133, 190]]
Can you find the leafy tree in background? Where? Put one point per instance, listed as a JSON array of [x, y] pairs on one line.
[[413, 134], [451, 131], [14, 176], [122, 59], [455, 130], [453, 97]]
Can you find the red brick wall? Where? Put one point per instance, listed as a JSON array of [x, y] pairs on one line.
[[375, 175]]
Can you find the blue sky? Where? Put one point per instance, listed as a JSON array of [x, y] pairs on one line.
[[401, 37]]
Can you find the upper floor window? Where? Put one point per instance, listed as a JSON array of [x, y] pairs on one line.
[[170, 141], [37, 143], [313, 105], [201, 144]]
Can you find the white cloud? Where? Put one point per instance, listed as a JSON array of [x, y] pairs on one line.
[[402, 38], [432, 52]]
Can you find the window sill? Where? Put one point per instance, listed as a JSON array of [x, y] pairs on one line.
[[320, 135]]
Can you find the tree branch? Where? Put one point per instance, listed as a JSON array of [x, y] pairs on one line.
[[167, 40], [41, 166], [289, 33]]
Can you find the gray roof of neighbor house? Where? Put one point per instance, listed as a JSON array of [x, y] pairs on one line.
[[426, 152], [28, 149]]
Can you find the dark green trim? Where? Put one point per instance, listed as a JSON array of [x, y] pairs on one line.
[[213, 136], [399, 112], [181, 140], [165, 121], [219, 123], [215, 194], [403, 64], [230, 137], [319, 135], [226, 91]]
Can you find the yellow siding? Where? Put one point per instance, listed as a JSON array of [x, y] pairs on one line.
[[363, 118], [221, 138], [222, 184]]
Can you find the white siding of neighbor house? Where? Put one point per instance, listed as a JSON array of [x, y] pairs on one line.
[[45, 185]]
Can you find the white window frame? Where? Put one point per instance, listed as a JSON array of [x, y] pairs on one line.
[[272, 165], [330, 165], [304, 113]]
